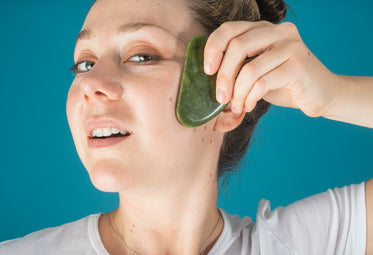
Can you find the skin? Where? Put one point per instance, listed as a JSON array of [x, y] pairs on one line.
[[286, 73], [165, 173]]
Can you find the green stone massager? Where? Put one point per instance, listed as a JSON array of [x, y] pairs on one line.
[[196, 103]]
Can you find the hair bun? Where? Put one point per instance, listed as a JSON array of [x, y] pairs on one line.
[[272, 10]]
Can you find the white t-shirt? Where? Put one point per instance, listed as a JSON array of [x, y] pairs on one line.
[[333, 222]]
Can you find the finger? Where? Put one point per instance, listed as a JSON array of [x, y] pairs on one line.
[[252, 71], [273, 81], [231, 64], [280, 97], [238, 50], [218, 41], [249, 44]]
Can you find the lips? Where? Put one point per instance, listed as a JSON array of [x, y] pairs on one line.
[[107, 142], [105, 132]]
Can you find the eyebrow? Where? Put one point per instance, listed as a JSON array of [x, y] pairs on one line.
[[130, 27]]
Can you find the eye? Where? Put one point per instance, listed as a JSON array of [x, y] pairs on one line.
[[143, 58], [82, 66]]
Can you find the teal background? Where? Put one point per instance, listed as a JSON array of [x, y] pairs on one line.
[[42, 181]]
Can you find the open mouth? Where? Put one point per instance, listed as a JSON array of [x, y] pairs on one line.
[[104, 133], [111, 136], [106, 137]]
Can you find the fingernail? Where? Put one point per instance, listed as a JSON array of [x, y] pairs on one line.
[[207, 67], [220, 97]]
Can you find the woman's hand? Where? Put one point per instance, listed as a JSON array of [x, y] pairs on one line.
[[284, 72]]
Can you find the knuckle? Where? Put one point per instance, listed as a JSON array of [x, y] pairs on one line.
[[289, 27], [264, 23], [261, 84], [239, 94], [224, 77], [250, 69], [248, 101], [237, 43], [226, 26], [237, 101]]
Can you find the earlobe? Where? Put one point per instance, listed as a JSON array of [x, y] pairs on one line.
[[227, 120]]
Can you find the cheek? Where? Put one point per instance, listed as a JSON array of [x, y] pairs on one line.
[[71, 107], [162, 130], [73, 113], [159, 98]]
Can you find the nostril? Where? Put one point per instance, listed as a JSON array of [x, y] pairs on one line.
[[99, 93], [100, 88]]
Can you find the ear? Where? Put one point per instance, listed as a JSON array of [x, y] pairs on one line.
[[227, 120]]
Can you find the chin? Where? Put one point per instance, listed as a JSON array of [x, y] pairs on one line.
[[106, 176]]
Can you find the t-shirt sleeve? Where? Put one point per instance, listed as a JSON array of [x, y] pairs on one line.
[[333, 222], [78, 237]]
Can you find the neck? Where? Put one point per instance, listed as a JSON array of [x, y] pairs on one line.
[[178, 220]]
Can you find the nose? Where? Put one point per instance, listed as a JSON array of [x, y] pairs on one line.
[[101, 84]]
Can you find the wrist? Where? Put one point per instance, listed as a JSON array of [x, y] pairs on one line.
[[352, 102], [338, 89]]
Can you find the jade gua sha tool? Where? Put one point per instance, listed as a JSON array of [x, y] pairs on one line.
[[196, 103]]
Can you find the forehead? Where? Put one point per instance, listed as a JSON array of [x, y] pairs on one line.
[[106, 15]]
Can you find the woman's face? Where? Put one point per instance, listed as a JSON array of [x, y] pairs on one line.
[[131, 55]]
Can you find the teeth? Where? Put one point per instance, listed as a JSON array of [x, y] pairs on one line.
[[100, 132], [115, 131]]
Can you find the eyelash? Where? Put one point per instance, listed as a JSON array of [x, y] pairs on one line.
[[153, 58], [75, 68]]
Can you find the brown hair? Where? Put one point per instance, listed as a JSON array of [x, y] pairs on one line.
[[211, 14]]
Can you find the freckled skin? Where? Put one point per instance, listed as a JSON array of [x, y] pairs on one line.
[[143, 107], [211, 141]]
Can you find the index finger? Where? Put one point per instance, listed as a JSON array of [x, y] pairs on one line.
[[218, 42]]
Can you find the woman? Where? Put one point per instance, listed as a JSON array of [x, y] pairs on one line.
[[129, 57]]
